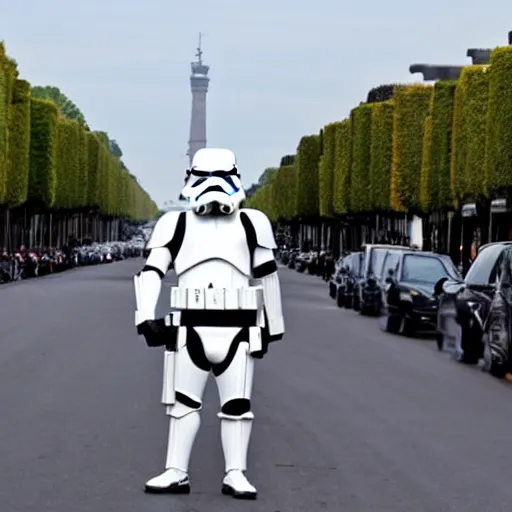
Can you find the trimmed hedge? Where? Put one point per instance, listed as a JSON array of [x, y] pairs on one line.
[[468, 163], [439, 194], [287, 160], [308, 157], [284, 190], [67, 164], [361, 119], [411, 108], [425, 183], [414, 148], [18, 145], [263, 199], [5, 100], [342, 166], [43, 153], [499, 129], [326, 171], [48, 160], [381, 93], [83, 167], [381, 155]]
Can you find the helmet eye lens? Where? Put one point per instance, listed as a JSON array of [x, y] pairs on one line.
[[218, 174]]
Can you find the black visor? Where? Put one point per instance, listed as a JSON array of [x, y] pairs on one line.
[[218, 174]]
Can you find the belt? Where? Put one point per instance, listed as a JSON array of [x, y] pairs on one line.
[[218, 318]]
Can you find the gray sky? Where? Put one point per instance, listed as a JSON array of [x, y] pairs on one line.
[[279, 69]]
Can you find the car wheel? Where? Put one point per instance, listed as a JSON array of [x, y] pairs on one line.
[[498, 369], [409, 327]]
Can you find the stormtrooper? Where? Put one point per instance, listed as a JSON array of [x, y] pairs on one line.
[[225, 310]]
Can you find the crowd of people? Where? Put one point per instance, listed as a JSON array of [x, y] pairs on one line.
[[26, 262]]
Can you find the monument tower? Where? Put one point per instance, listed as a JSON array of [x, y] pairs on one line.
[[199, 86]]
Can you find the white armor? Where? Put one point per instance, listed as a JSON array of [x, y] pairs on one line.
[[226, 308]]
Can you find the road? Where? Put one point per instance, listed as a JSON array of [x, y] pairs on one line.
[[347, 418]]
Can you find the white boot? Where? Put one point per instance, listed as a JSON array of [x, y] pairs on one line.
[[235, 436], [171, 481], [182, 434]]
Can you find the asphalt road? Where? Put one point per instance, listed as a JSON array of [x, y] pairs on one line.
[[347, 418]]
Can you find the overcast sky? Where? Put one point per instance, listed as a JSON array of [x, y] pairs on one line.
[[279, 69]]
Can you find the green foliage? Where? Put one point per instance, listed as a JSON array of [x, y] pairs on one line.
[[263, 199], [468, 163], [411, 108], [93, 170], [43, 153], [267, 176], [5, 99], [326, 171], [83, 167], [67, 164], [361, 118], [308, 156], [381, 93], [50, 160], [442, 111], [342, 166], [499, 131], [18, 144], [115, 149], [285, 193], [425, 183], [287, 160], [66, 107], [381, 155]]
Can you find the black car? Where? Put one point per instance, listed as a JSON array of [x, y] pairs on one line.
[[498, 325], [409, 301], [465, 304], [368, 287]]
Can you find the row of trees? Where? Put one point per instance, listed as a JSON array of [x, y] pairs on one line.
[[413, 148], [50, 161]]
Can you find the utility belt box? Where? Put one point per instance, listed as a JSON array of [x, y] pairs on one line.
[[250, 298]]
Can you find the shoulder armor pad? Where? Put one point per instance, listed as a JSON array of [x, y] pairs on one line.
[[164, 230], [262, 227]]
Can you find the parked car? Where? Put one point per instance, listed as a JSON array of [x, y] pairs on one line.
[[342, 284], [335, 280], [353, 265], [409, 301], [369, 293], [465, 304], [498, 326]]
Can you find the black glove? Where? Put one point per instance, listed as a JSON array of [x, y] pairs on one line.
[[157, 334]]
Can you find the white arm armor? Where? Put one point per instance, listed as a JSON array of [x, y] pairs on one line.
[[265, 271], [148, 282]]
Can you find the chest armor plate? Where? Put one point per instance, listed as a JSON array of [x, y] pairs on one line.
[[209, 238]]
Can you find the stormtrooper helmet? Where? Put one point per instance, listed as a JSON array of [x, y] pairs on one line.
[[213, 185]]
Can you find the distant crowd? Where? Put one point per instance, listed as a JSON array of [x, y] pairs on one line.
[[25, 263]]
